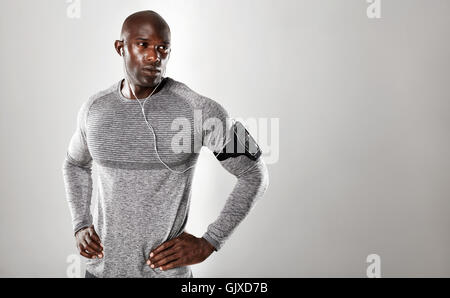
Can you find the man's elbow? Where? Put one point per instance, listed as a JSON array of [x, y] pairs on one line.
[[69, 164], [263, 174], [259, 175]]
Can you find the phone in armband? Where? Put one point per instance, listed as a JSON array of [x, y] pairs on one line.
[[242, 143]]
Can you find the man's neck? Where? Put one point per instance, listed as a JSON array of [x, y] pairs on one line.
[[141, 92]]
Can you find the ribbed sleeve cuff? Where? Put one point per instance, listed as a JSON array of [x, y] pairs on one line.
[[214, 242], [80, 225]]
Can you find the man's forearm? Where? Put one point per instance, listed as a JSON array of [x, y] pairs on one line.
[[249, 187], [78, 186]]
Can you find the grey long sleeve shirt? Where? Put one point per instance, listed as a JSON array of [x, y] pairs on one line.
[[141, 203]]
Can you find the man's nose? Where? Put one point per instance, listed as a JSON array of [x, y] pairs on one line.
[[152, 55]]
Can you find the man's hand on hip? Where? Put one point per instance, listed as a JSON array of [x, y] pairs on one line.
[[183, 250], [88, 243]]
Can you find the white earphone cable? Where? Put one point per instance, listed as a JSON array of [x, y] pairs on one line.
[[151, 128], [154, 135]]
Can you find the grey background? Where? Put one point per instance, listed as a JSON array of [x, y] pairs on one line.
[[364, 114]]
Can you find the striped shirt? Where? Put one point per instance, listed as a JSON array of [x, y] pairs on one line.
[[140, 202]]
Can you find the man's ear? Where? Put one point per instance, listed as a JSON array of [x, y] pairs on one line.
[[118, 45]]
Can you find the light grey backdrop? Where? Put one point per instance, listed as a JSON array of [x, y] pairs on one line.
[[364, 113]]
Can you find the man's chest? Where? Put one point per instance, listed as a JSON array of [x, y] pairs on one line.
[[122, 134]]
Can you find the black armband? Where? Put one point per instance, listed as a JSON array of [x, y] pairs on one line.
[[240, 143]]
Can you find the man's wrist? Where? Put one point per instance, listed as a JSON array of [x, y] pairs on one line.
[[213, 249], [80, 229]]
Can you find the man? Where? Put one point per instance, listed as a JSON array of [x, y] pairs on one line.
[[131, 131]]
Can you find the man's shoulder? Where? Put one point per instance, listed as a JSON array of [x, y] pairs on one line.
[[186, 93], [197, 100], [104, 93]]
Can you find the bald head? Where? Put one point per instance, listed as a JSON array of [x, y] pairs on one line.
[[147, 20], [145, 48]]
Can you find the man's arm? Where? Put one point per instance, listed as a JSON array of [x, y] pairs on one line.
[[77, 176], [252, 182], [249, 169]]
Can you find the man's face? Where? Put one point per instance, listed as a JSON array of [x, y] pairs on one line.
[[146, 53]]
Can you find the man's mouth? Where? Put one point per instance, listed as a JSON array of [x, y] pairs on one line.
[[151, 70]]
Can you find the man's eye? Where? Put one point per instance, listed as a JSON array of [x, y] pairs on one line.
[[143, 44], [164, 48]]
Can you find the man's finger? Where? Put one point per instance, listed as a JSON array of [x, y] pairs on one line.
[[95, 237], [92, 243], [89, 249], [166, 260], [164, 246], [84, 253], [176, 263], [169, 251]]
